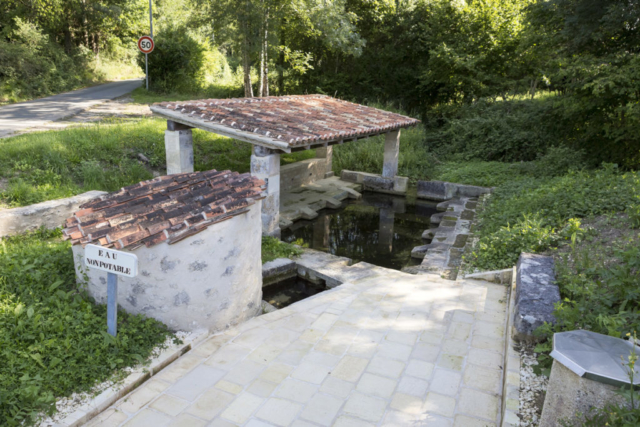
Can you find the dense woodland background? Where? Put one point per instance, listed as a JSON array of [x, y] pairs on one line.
[[492, 79]]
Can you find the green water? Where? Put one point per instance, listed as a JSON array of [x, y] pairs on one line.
[[378, 229]]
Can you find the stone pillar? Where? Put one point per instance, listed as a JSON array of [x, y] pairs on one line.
[[326, 153], [178, 144], [265, 165], [391, 150]]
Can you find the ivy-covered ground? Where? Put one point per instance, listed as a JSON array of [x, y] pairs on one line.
[[53, 339]]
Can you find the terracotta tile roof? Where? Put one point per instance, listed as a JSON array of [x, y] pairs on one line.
[[290, 121], [166, 208]]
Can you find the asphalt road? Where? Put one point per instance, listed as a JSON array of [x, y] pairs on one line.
[[24, 115]]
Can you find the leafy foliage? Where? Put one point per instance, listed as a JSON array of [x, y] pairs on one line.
[[53, 339], [273, 248], [534, 213]]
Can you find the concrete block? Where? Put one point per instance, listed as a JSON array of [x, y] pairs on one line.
[[50, 214], [536, 294], [278, 270], [441, 190], [377, 183], [178, 145], [568, 394]]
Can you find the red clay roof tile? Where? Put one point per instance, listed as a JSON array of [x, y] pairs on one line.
[[168, 208]]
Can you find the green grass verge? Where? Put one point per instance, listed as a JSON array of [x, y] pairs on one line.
[[48, 165], [53, 339], [532, 214], [273, 248]]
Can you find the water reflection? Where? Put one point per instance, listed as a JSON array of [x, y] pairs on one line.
[[378, 229]]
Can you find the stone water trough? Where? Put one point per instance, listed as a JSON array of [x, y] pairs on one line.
[[197, 237]]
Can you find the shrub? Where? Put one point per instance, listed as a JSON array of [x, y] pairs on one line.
[[273, 248], [176, 63]]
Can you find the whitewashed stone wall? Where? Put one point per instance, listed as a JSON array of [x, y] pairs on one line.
[[211, 280]]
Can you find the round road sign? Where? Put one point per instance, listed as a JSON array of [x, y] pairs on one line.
[[145, 44]]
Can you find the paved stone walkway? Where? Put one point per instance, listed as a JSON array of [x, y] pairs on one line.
[[391, 349]]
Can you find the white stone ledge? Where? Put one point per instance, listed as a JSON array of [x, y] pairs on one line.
[[50, 214]]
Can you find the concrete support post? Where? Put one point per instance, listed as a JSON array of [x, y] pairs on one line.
[[391, 150], [265, 165], [178, 143], [327, 154]]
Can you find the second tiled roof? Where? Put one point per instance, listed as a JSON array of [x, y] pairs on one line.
[[167, 208]]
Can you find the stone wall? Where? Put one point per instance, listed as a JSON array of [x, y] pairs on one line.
[[51, 214], [300, 173], [211, 280], [441, 190]]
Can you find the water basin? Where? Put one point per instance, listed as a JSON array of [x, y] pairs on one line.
[[288, 291], [379, 229]]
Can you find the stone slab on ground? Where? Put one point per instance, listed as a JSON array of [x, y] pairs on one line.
[[568, 394], [391, 349], [305, 201], [536, 294], [50, 214]]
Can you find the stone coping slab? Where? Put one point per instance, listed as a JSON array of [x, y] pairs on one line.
[[441, 190], [388, 349], [50, 214], [536, 294]]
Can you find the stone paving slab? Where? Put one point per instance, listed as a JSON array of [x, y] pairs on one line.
[[387, 350]]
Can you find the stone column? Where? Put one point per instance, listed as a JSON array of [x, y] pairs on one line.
[[265, 165], [327, 154], [178, 144], [391, 150]]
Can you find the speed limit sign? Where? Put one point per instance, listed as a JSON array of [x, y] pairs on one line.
[[145, 44]]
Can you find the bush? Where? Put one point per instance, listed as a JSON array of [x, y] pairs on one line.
[[273, 248], [32, 66], [177, 61], [53, 339]]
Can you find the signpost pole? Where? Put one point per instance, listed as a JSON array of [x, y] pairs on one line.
[[112, 304], [146, 55], [146, 67]]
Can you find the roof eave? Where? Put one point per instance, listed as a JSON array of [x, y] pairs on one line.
[[199, 123]]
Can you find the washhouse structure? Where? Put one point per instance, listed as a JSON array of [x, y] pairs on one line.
[[275, 125], [197, 237]]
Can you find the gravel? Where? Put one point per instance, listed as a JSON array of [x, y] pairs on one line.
[[532, 389]]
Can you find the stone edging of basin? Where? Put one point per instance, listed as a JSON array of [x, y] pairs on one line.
[[277, 270], [135, 379], [512, 362], [448, 242]]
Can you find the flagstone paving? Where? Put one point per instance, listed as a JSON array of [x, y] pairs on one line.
[[392, 349]]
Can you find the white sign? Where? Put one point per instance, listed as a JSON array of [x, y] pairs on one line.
[[111, 261], [146, 44]]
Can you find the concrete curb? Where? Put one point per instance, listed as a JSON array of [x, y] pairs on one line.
[[139, 376], [512, 362]]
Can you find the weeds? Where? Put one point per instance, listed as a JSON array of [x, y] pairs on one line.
[[273, 248], [53, 339]]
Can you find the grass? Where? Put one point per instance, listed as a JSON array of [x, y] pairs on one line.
[[42, 166], [273, 248], [53, 338]]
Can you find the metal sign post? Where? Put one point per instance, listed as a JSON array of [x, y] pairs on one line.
[[146, 45], [115, 263]]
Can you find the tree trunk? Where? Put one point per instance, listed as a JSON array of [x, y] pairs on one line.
[[264, 68], [281, 62], [246, 55], [68, 41]]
